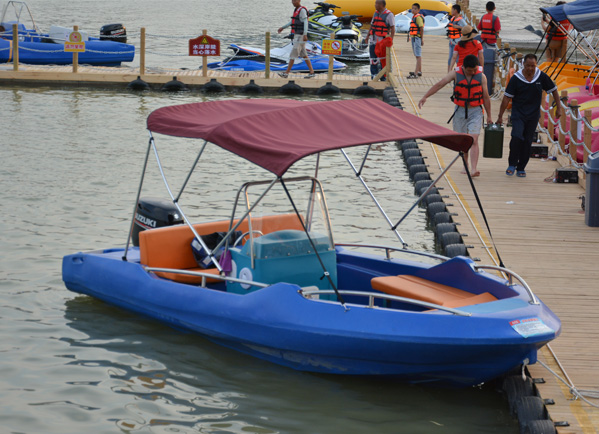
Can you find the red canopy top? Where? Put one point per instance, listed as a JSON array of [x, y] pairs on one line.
[[275, 133]]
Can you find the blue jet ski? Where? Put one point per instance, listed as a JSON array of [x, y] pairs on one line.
[[253, 59]]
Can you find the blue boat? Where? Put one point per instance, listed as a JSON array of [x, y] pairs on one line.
[[271, 282], [37, 48]]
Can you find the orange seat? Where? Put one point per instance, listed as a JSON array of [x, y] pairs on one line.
[[170, 247], [421, 289]]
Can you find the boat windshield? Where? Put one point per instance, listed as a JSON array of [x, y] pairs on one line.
[[284, 201]]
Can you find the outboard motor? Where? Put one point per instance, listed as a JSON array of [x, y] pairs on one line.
[[113, 32], [154, 213]]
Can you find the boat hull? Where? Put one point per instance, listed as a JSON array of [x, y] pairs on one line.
[[280, 325], [98, 53], [319, 64]]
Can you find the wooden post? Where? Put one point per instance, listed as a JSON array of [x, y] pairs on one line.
[[331, 60], [267, 56], [550, 123], [573, 128], [388, 65], [204, 59], [498, 43], [75, 55], [503, 77], [142, 52], [15, 47], [588, 114], [562, 121]]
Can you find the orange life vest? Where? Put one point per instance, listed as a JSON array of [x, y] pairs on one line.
[[487, 26], [557, 34], [452, 32], [378, 25], [468, 93], [297, 25], [414, 28]]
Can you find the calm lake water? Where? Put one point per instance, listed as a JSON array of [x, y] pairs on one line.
[[70, 161]]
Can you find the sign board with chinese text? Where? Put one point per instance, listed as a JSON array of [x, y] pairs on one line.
[[332, 47], [75, 43], [204, 46]]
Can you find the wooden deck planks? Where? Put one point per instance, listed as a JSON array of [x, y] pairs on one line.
[[539, 231], [192, 77]]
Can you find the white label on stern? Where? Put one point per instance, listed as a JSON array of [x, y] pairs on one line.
[[530, 327]]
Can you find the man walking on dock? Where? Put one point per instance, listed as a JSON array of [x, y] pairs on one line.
[[470, 94], [525, 90], [299, 30], [454, 29], [381, 26]]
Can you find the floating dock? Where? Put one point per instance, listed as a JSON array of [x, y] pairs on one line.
[[116, 77]]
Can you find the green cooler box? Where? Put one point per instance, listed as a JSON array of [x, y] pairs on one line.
[[493, 145]]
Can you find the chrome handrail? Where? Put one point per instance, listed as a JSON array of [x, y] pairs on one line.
[[510, 274], [388, 249], [206, 276], [372, 296]]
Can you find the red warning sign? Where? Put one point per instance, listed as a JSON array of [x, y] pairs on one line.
[[332, 47], [204, 46]]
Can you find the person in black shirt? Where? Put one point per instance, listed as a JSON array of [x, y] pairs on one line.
[[525, 89]]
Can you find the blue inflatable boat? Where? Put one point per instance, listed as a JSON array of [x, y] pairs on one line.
[[271, 281], [37, 48]]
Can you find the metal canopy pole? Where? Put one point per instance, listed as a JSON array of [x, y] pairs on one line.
[[195, 163], [430, 187], [143, 173], [374, 199], [168, 189]]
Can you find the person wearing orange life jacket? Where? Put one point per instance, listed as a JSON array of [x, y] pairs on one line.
[[557, 40], [489, 26], [381, 26], [470, 95], [454, 29], [466, 45], [299, 30], [416, 33]]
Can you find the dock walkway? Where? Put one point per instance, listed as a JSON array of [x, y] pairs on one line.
[[538, 228]]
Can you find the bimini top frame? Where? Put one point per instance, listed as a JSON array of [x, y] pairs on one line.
[[277, 137]]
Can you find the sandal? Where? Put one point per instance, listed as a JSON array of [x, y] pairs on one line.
[[510, 170], [521, 174]]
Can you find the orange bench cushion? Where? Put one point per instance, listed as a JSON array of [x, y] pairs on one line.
[[170, 247], [421, 289]]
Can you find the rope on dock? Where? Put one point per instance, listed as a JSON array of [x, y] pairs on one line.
[[576, 393]]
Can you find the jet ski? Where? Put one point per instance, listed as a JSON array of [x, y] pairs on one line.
[[351, 52], [322, 23], [253, 59]]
